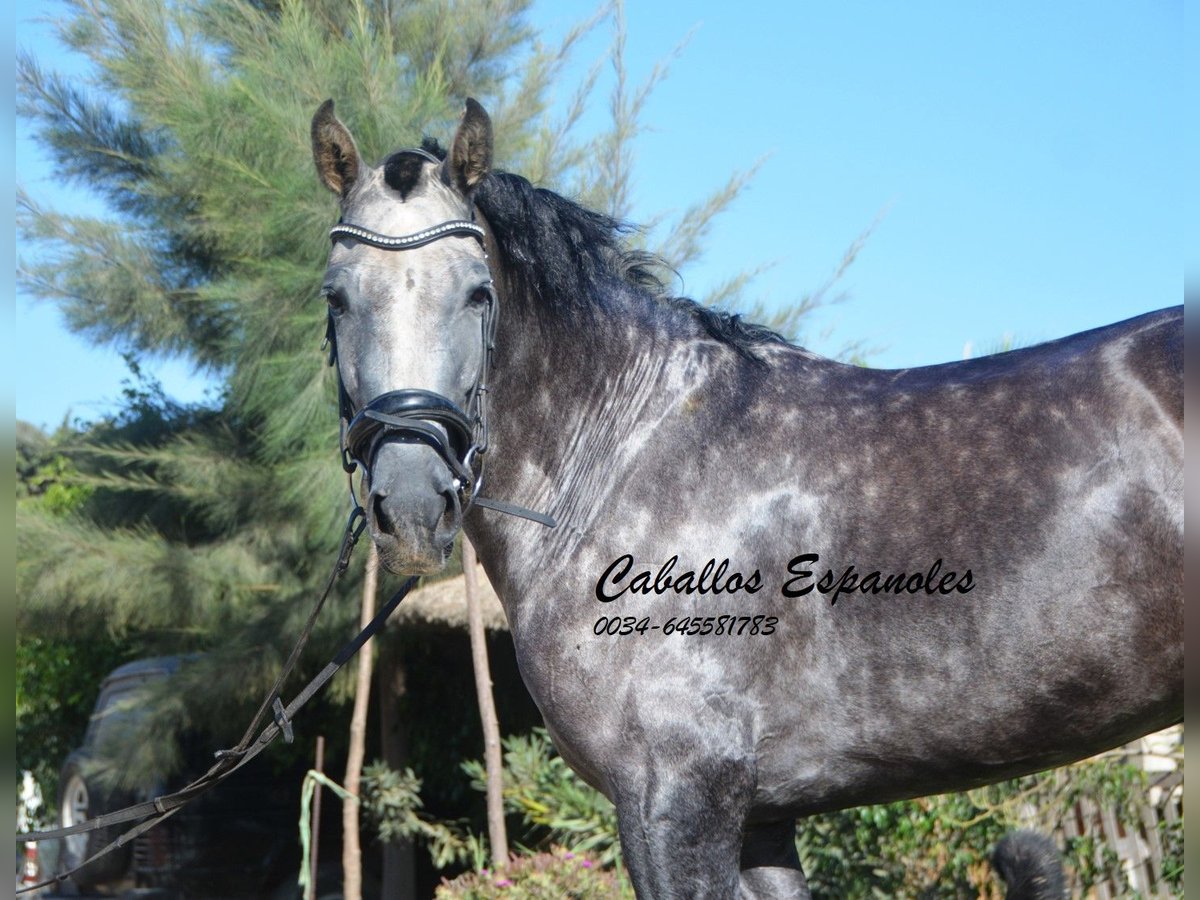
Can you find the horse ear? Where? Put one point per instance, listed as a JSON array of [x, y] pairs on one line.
[[470, 157], [334, 151]]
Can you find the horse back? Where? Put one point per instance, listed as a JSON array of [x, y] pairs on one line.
[[1055, 475]]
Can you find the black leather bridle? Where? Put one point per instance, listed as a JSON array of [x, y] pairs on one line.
[[460, 437]]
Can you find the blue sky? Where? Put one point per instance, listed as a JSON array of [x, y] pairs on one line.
[[1024, 161]]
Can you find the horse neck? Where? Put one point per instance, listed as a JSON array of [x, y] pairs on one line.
[[566, 402]]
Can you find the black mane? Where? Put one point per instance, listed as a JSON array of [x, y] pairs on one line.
[[563, 251]]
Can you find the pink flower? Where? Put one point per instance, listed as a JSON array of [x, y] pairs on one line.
[[568, 856], [503, 882], [587, 863]]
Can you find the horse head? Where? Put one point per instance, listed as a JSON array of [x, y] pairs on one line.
[[411, 312]]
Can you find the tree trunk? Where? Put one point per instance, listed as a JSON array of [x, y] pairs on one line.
[[351, 851], [487, 712]]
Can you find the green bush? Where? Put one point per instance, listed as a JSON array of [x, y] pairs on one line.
[[556, 806], [392, 803], [557, 875], [931, 847]]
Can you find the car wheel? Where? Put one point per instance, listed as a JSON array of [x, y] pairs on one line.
[[77, 801]]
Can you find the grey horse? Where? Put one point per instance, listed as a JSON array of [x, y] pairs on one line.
[[778, 585]]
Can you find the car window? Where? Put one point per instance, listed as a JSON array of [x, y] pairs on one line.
[[119, 707]]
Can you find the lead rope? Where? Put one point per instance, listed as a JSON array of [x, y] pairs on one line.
[[229, 761], [353, 531]]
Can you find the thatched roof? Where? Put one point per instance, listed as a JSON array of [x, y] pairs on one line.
[[445, 603]]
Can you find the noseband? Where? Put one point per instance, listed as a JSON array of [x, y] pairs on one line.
[[413, 415]]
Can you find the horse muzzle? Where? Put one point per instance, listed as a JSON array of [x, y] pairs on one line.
[[413, 507], [416, 497]]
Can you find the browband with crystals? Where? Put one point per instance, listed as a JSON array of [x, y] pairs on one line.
[[407, 241]]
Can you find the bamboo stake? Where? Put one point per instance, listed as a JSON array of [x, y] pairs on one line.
[[310, 892], [351, 850], [497, 834]]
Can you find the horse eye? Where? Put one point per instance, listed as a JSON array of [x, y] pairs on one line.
[[482, 295], [336, 299]]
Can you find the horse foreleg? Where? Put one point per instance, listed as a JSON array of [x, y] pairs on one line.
[[681, 830], [770, 864]]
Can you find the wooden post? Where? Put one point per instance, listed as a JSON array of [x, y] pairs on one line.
[[351, 851], [310, 892], [497, 833]]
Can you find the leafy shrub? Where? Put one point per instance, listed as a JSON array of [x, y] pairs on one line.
[[556, 805], [392, 802], [557, 875], [931, 847]]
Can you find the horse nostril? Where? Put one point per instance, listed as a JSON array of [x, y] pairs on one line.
[[382, 520]]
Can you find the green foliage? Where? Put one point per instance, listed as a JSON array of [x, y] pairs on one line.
[[392, 800], [922, 847], [555, 804], [558, 874], [56, 686], [1171, 834], [939, 846], [46, 478], [931, 847], [31, 452], [56, 483], [57, 678]]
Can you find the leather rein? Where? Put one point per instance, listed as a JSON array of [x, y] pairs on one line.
[[459, 437], [253, 742]]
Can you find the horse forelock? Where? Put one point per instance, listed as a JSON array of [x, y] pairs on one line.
[[402, 172]]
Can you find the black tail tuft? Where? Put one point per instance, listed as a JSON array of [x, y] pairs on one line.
[[1031, 867]]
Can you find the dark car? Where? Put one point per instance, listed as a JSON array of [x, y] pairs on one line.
[[240, 840]]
